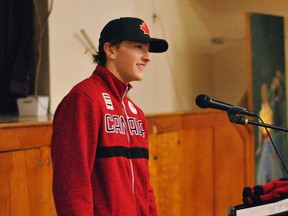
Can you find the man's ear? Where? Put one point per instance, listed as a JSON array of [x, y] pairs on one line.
[[109, 50]]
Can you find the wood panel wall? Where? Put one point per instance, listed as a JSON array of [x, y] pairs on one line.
[[199, 164], [25, 170]]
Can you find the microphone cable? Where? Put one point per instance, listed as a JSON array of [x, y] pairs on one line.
[[273, 144]]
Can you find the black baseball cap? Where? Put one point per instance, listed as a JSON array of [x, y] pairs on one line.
[[130, 29]]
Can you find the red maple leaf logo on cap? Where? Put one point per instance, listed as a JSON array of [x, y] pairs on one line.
[[144, 28]]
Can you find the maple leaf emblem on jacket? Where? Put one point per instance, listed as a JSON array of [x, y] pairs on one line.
[[144, 28]]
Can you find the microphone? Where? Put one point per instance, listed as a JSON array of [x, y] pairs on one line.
[[204, 101]]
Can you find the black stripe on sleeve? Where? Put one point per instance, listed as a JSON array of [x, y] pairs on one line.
[[118, 151]]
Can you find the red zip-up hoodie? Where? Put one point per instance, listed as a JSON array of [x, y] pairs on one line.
[[100, 151]]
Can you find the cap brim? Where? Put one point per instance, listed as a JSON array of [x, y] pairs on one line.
[[158, 45]]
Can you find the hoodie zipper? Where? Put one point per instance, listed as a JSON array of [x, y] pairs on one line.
[[128, 137]]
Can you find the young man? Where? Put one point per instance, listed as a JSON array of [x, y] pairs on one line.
[[100, 137]]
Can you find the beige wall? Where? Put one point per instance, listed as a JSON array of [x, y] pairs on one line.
[[191, 66]]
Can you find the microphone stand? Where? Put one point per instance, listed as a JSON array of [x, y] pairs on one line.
[[234, 117], [267, 125]]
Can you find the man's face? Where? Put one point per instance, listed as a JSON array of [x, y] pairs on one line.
[[128, 60]]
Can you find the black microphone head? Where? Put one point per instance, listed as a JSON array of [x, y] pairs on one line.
[[203, 101]]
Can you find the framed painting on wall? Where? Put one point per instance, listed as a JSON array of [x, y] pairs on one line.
[[267, 93]]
